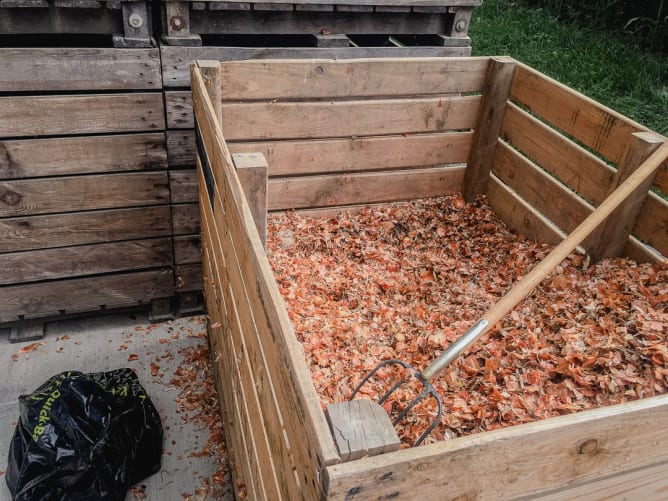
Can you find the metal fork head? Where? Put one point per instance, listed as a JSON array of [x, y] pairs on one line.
[[428, 391]]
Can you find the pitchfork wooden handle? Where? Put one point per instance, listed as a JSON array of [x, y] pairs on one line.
[[525, 286]]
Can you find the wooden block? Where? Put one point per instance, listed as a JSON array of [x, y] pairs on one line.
[[490, 117], [354, 8], [229, 6], [161, 310], [31, 4], [189, 303], [26, 330], [272, 6], [136, 26], [314, 8], [331, 40], [458, 26], [392, 8], [361, 428], [78, 4], [252, 171]]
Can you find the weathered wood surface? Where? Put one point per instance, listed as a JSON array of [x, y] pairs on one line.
[[498, 80], [247, 80], [410, 3], [176, 60], [188, 277], [520, 461], [183, 186], [339, 155], [74, 69], [39, 232], [19, 21], [252, 172], [84, 293], [187, 249], [68, 262], [77, 193], [652, 225], [185, 219], [280, 385], [80, 114], [315, 119], [23, 158], [589, 122]]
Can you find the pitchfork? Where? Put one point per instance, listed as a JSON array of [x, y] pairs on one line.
[[636, 184]]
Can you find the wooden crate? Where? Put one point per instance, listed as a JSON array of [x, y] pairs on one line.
[[85, 218], [344, 133], [127, 22], [327, 22]]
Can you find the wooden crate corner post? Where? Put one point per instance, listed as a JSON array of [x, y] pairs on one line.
[[252, 170], [498, 81], [611, 237]]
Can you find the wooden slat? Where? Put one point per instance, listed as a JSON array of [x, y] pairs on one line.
[[523, 460], [652, 224], [539, 189], [410, 3], [177, 60], [305, 79], [572, 164], [188, 277], [69, 194], [185, 219], [84, 293], [187, 249], [661, 179], [80, 114], [325, 190], [520, 216], [183, 186], [66, 262], [339, 119], [304, 421], [589, 122], [23, 158], [73, 69], [41, 232], [288, 158]]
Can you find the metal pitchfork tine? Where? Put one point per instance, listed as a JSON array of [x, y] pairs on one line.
[[637, 182]]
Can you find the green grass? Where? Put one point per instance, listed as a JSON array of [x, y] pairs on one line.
[[602, 65]]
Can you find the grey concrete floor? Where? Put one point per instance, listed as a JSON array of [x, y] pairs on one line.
[[95, 344]]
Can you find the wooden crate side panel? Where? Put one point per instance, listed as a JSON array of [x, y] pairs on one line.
[[67, 262], [295, 120], [652, 224], [183, 186], [346, 189], [73, 69], [80, 114], [187, 249], [185, 219], [188, 277], [661, 179], [304, 424], [573, 165], [180, 148], [84, 293], [589, 122], [58, 230], [394, 3], [24, 158], [281, 79], [523, 460], [69, 194]]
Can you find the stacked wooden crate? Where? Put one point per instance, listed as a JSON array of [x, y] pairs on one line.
[[85, 219]]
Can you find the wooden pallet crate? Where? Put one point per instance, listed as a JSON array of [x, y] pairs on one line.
[[411, 129], [85, 218], [327, 21], [128, 22]]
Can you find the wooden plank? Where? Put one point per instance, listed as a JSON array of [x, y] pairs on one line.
[[661, 179], [23, 158], [177, 60], [304, 419], [652, 225], [252, 171], [490, 116], [183, 186], [80, 114], [573, 165], [180, 148], [642, 253], [538, 189], [185, 219], [75, 193], [520, 216], [343, 189], [644, 483], [41, 232], [188, 277], [84, 293], [589, 122], [305, 79], [74, 69], [410, 3], [524, 460], [66, 262], [286, 158], [187, 249], [609, 239]]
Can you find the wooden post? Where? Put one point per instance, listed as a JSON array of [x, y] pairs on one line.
[[458, 26], [252, 170], [329, 41], [210, 71], [611, 237], [136, 26], [177, 25], [490, 117]]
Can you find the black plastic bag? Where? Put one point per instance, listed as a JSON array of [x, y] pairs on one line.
[[84, 437]]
